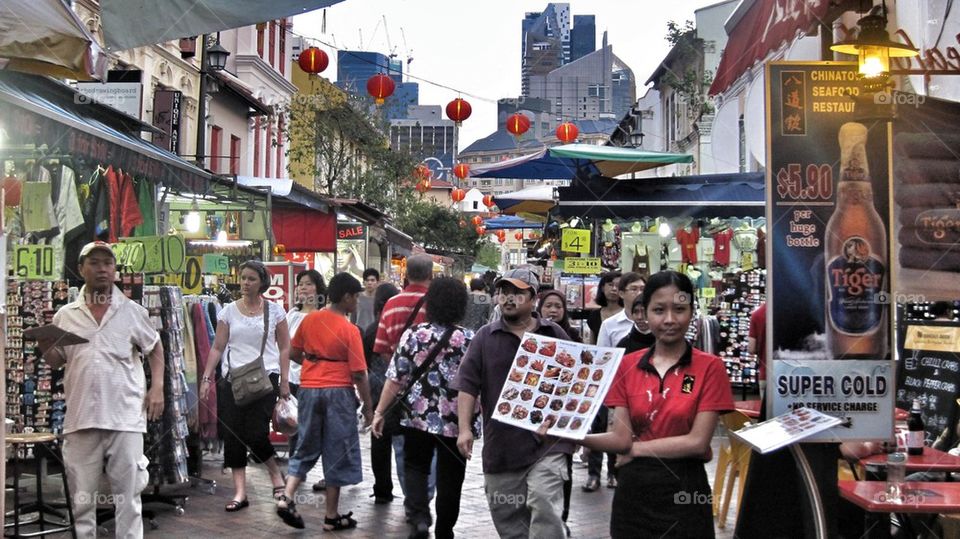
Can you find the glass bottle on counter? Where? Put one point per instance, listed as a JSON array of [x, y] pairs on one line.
[[916, 431]]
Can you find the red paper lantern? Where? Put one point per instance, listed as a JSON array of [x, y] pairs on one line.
[[422, 172], [458, 110], [519, 236], [279, 249], [480, 230], [423, 186], [501, 239], [462, 171], [313, 60], [380, 87], [477, 220], [533, 235], [567, 132], [488, 201], [457, 195], [518, 124]]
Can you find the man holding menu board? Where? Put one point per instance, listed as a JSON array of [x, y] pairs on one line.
[[523, 472], [107, 400]]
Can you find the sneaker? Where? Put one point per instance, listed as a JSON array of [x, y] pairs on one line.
[[592, 485]]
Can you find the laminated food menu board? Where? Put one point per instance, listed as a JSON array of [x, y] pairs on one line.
[[562, 380]]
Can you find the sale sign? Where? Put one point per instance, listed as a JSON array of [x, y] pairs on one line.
[[828, 206]]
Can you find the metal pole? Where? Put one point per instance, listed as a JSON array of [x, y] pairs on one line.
[[202, 106], [810, 482]]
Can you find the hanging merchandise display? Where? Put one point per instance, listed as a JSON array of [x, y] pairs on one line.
[[610, 244]]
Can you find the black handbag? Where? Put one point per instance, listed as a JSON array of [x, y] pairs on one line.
[[392, 416], [250, 382]]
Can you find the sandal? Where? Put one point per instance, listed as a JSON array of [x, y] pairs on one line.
[[236, 505], [340, 522], [278, 491], [288, 512]]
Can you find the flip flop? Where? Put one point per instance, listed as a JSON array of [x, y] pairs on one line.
[[235, 505]]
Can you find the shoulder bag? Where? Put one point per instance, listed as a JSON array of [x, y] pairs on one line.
[[391, 418], [250, 382], [391, 424]]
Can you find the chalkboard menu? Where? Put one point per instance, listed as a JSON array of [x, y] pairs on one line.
[[929, 370]]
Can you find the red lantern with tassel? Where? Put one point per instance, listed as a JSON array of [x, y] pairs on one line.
[[480, 230], [313, 60], [422, 172], [477, 220], [423, 186], [462, 171], [459, 110], [457, 195], [518, 124], [380, 87], [501, 239], [519, 236], [567, 132], [488, 201]]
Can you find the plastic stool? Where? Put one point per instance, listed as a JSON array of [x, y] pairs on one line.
[[42, 443]]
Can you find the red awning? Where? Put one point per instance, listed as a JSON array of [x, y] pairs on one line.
[[301, 229], [763, 28]]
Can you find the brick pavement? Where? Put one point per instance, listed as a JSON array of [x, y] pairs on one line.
[[205, 517]]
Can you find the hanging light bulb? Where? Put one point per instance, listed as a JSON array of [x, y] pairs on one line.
[[192, 220], [222, 237], [664, 229]]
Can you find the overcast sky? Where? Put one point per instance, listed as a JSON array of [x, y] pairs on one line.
[[474, 46]]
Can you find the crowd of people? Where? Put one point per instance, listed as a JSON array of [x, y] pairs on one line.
[[423, 367]]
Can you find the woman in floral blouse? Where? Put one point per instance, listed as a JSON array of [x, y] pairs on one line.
[[430, 408]]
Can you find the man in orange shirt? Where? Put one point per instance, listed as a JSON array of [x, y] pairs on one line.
[[331, 351]]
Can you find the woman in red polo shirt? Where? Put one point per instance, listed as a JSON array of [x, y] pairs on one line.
[[668, 399]]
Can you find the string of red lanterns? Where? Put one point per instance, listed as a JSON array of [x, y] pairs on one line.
[[488, 201], [518, 124], [458, 195], [459, 110], [461, 170]]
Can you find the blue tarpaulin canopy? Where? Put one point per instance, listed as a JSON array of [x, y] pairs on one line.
[[507, 222], [577, 160]]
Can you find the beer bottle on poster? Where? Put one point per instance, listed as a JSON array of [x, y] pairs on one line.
[[856, 258]]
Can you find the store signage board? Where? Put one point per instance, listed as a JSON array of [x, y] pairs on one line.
[[216, 264], [575, 240], [829, 334], [123, 96], [34, 263], [929, 370], [351, 231], [582, 266], [167, 106], [151, 254]]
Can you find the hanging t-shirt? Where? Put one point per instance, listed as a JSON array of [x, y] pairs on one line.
[[641, 259], [721, 246], [69, 216], [761, 248], [688, 244], [124, 210], [37, 207], [148, 209]]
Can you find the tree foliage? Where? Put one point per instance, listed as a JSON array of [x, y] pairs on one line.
[[437, 227]]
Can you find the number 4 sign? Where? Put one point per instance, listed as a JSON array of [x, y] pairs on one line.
[[575, 240]]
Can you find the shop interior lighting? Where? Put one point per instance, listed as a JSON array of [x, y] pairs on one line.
[[222, 237], [224, 244], [664, 229], [192, 220]]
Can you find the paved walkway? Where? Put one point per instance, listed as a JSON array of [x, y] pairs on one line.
[[204, 515]]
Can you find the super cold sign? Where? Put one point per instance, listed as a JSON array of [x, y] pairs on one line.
[[351, 231]]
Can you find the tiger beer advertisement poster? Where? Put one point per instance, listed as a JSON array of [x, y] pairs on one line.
[[828, 200]]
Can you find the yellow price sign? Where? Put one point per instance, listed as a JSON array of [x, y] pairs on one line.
[[708, 293], [35, 263], [575, 240], [581, 266]]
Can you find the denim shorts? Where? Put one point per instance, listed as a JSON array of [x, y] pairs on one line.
[[328, 428]]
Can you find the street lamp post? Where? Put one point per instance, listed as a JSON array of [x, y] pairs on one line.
[[213, 57]]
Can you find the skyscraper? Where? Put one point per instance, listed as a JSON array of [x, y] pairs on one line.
[[354, 68], [583, 37], [548, 42]]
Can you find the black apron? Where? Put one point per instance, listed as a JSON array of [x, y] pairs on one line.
[[662, 498]]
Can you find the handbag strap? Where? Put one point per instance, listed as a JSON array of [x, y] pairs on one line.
[[421, 369], [413, 315]]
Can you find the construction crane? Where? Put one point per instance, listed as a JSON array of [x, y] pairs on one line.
[[408, 51], [386, 30]]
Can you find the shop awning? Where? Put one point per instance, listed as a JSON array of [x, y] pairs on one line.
[[68, 125], [304, 229], [47, 37], [402, 243], [713, 195], [532, 200], [132, 23], [578, 160], [508, 222], [758, 27]]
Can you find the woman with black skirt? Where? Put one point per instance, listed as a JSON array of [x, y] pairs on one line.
[[668, 400]]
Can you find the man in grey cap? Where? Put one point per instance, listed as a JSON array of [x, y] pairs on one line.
[[107, 399], [523, 472]]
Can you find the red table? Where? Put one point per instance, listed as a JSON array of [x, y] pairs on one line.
[[932, 460], [750, 409], [922, 499]]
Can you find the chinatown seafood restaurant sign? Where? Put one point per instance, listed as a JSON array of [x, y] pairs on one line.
[[829, 334]]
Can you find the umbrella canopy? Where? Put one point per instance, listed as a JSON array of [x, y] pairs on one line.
[[570, 160], [132, 23], [46, 37], [508, 222], [532, 200]]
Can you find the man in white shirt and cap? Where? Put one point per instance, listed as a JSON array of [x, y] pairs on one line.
[[108, 403]]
